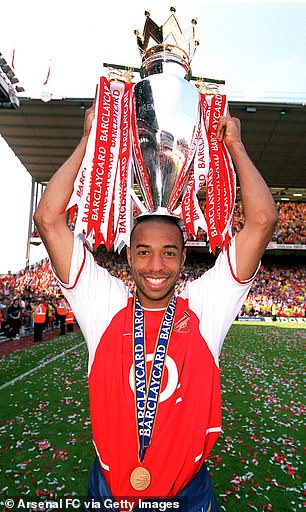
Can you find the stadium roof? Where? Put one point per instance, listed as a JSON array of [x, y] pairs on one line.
[[43, 135]]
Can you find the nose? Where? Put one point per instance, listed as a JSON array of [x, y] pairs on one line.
[[157, 263]]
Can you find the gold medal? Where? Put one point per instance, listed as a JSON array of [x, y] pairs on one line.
[[140, 478]]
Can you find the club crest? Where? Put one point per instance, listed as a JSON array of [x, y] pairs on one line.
[[182, 325]]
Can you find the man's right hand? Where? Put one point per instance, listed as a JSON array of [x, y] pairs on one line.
[[89, 117]]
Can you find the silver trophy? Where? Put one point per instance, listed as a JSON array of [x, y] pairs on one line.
[[166, 107]]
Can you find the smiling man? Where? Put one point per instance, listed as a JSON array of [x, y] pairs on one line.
[[156, 256], [154, 379]]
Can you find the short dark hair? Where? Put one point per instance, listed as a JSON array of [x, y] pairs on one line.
[[162, 219]]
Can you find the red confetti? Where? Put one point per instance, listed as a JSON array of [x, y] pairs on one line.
[[44, 445]]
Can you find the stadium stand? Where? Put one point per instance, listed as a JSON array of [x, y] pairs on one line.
[[277, 285], [278, 291], [290, 229]]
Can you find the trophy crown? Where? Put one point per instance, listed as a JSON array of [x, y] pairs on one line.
[[167, 39]]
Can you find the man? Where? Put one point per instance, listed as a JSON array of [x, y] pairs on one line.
[[153, 432], [61, 313], [69, 319], [39, 315], [14, 318], [274, 312]]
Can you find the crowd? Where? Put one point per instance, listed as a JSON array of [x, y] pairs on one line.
[[276, 285], [27, 310], [290, 229], [278, 290]]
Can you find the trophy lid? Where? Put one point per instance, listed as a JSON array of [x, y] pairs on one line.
[[173, 45]]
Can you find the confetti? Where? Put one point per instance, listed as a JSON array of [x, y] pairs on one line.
[[44, 445], [257, 460]]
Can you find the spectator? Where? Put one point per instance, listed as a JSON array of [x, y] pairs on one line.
[[2, 321], [14, 319], [62, 310], [69, 319], [28, 317], [39, 319]]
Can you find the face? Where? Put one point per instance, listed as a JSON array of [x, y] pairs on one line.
[[155, 257]]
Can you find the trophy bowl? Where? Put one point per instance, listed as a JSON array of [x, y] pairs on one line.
[[166, 116]]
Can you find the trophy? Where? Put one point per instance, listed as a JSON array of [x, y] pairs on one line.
[[162, 131], [166, 107]]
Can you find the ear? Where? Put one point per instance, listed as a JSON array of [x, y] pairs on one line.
[[183, 259], [128, 255]]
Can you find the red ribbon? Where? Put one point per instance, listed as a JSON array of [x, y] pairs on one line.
[[143, 175], [110, 170], [124, 162], [100, 172], [216, 195]]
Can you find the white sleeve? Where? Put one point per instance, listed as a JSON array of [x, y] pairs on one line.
[[216, 299], [93, 294]]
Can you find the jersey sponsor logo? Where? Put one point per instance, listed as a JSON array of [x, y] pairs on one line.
[[172, 377], [182, 325]]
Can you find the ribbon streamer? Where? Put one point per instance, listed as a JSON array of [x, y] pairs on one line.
[[103, 189]]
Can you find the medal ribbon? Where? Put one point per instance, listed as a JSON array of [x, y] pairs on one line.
[[147, 396]]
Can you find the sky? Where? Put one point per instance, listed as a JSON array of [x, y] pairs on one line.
[[257, 47]]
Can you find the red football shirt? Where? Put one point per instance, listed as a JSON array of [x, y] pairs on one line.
[[189, 414]]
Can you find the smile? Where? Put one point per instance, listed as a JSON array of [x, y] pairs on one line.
[[156, 281]]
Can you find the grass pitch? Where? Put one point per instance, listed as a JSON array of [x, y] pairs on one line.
[[257, 463]]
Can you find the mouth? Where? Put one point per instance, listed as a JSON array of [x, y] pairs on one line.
[[156, 282]]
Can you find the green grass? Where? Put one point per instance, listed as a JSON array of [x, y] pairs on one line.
[[22, 361], [50, 405], [256, 464]]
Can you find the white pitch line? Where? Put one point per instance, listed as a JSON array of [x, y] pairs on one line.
[[39, 366]]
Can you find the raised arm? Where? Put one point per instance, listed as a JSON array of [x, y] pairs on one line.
[[51, 223], [258, 204]]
